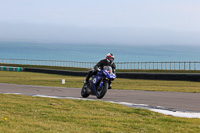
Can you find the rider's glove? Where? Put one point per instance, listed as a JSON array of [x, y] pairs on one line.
[[98, 69]]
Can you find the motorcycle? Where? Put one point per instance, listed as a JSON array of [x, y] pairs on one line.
[[99, 83]]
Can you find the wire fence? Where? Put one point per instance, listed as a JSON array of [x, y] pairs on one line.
[[119, 65]]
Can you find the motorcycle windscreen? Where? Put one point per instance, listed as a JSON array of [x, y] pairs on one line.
[[108, 68]]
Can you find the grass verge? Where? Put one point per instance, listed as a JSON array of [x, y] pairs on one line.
[[41, 79], [36, 114]]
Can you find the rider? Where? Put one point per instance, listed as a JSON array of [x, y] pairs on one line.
[[109, 61]]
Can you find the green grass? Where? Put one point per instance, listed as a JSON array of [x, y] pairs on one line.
[[86, 69], [36, 114], [29, 78]]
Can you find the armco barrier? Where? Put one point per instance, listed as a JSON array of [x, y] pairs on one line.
[[9, 68], [153, 76], [180, 65]]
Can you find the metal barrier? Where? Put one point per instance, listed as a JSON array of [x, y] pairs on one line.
[[119, 65], [158, 65]]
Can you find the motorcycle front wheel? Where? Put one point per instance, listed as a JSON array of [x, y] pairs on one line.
[[102, 91]]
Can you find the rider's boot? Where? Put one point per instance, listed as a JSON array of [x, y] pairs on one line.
[[110, 86], [86, 84]]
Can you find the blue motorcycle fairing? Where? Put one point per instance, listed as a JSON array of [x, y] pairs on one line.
[[101, 84], [109, 75], [95, 79]]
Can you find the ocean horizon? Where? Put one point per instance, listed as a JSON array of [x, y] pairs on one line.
[[94, 53]]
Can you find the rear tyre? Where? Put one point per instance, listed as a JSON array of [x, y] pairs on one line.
[[84, 93], [102, 91]]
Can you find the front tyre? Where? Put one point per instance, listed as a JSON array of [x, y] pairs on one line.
[[84, 93], [102, 91]]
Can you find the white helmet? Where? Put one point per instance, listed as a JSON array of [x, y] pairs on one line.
[[110, 58]]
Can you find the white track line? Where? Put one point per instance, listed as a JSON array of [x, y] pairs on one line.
[[158, 109]]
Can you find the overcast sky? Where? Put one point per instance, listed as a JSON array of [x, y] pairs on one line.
[[130, 22]]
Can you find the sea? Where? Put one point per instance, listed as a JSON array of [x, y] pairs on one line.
[[94, 53]]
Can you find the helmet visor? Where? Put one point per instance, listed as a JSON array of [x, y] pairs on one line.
[[111, 58]]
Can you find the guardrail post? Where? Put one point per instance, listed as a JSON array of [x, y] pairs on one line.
[[117, 65], [128, 65], [189, 65], [134, 65], [131, 66], [145, 65], [157, 67], [141, 65], [153, 65], [174, 65], [184, 65], [149, 65], [170, 66]]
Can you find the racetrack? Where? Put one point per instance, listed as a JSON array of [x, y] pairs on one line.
[[174, 101]]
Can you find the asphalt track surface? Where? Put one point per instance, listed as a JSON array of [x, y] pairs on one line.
[[154, 99]]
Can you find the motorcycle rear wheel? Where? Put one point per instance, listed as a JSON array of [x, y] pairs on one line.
[[102, 91], [84, 93]]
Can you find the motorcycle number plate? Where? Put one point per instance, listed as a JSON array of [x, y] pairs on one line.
[[94, 80]]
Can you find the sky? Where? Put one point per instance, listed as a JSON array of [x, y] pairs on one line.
[[122, 22]]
